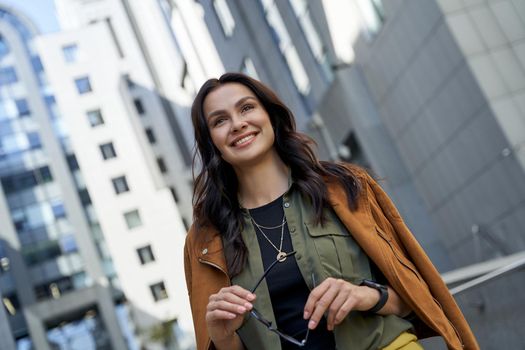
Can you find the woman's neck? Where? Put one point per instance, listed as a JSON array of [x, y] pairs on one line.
[[262, 183]]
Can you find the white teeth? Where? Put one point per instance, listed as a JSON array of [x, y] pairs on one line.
[[244, 139]]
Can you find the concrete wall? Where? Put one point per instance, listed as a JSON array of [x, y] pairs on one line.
[[448, 89]]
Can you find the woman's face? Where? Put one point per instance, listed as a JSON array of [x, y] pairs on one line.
[[239, 125]]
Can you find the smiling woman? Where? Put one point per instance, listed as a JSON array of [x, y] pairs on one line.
[[332, 262], [240, 127]]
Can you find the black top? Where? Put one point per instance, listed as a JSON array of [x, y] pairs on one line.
[[288, 290]]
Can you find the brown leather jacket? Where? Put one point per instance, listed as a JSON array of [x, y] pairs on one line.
[[378, 228]]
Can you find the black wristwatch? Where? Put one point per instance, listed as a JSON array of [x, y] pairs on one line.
[[383, 294]]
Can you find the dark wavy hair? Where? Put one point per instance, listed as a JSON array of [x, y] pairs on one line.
[[215, 200]]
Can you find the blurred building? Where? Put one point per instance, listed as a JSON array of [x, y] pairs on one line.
[[289, 46], [5, 330], [120, 79], [431, 96], [54, 274]]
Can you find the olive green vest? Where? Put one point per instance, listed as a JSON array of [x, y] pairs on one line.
[[322, 252]]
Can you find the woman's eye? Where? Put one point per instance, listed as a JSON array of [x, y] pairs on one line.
[[218, 121], [246, 108]]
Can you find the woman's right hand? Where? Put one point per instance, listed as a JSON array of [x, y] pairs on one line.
[[225, 313]]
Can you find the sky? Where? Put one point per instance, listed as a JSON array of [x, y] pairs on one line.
[[41, 12]]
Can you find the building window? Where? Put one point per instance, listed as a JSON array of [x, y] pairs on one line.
[[95, 117], [22, 107], [70, 53], [120, 184], [248, 68], [283, 40], [145, 255], [25, 180], [4, 48], [151, 136], [174, 194], [7, 76], [108, 151], [129, 82], [58, 209], [11, 303], [34, 140], [373, 14], [68, 244], [133, 219], [225, 16], [302, 12], [139, 107], [83, 85], [186, 82], [158, 290], [162, 165], [85, 199], [72, 162]]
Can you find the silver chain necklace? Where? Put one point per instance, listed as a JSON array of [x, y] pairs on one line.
[[281, 256]]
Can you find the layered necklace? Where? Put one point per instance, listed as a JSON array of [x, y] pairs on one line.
[[281, 256]]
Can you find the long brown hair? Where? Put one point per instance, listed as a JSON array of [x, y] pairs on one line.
[[215, 192]]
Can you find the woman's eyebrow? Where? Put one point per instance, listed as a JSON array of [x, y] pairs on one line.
[[244, 99], [237, 104]]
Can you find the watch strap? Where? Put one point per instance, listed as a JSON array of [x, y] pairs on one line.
[[383, 294]]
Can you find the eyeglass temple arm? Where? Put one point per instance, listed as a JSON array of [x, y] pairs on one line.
[[268, 270]]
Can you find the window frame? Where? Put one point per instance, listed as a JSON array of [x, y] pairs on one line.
[[108, 146], [83, 85], [146, 259], [99, 118], [120, 184], [164, 290]]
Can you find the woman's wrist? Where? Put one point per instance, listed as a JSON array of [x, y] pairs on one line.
[[381, 289], [370, 297]]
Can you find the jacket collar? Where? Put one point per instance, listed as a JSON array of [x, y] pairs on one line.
[[357, 221]]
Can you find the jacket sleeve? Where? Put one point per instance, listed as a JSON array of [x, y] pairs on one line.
[[203, 341], [423, 264]]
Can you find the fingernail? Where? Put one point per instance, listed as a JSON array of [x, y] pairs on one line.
[[250, 296], [306, 315], [311, 324], [248, 306], [241, 309]]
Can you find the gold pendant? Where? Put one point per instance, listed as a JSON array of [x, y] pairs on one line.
[[281, 257]]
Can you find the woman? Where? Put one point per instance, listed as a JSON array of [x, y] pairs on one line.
[[287, 251]]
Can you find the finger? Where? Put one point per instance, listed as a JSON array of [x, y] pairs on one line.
[[239, 291], [322, 305], [336, 304], [344, 310], [226, 306], [218, 315], [314, 296], [233, 299]]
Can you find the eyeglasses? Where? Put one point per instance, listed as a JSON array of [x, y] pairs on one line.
[[268, 324]]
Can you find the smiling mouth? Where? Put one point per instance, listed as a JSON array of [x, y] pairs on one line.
[[244, 140]]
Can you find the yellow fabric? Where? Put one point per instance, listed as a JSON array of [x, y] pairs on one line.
[[405, 341]]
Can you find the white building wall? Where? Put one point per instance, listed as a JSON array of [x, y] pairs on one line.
[[161, 223], [160, 51]]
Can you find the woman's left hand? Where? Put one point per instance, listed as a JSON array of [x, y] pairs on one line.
[[338, 297]]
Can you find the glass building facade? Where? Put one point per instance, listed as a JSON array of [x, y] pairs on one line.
[[40, 241]]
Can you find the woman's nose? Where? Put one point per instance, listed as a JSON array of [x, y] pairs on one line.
[[238, 123]]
